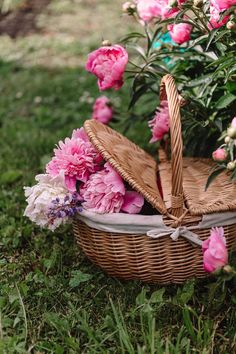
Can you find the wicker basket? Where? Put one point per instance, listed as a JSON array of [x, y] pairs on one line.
[[135, 256]]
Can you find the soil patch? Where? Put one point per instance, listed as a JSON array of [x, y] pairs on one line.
[[22, 21]]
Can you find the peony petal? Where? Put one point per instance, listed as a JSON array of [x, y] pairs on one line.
[[70, 183], [133, 202]]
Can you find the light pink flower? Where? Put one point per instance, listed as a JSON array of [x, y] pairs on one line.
[[160, 123], [102, 111], [233, 123], [76, 157], [108, 63], [105, 192], [80, 134], [222, 5], [215, 20], [148, 9], [214, 249], [219, 155], [180, 32]]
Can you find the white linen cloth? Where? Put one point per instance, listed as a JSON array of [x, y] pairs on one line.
[[153, 225]]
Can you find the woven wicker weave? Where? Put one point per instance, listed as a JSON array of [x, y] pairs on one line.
[[131, 256]]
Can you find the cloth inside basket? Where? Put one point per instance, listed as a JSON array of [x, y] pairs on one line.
[[152, 225]]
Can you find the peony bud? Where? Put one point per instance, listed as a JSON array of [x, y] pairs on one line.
[[231, 166], [198, 3], [231, 132], [228, 269], [231, 25], [227, 140], [220, 155], [129, 8], [106, 43]]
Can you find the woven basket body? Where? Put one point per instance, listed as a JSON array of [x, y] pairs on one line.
[[184, 202], [140, 257]]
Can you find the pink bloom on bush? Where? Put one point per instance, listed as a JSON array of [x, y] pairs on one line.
[[219, 155], [105, 192], [180, 32], [222, 5], [214, 249], [215, 20], [76, 157], [148, 9], [108, 63], [102, 111], [160, 123]]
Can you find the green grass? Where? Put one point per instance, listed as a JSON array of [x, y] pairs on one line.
[[52, 299]]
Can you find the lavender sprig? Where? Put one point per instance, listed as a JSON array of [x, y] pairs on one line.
[[65, 209]]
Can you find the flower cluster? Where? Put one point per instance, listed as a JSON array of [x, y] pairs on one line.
[[44, 200], [225, 155], [149, 10], [78, 179]]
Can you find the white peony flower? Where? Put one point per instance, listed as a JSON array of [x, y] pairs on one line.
[[40, 197]]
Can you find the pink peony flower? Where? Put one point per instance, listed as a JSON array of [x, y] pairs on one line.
[[160, 123], [180, 33], [102, 111], [215, 20], [80, 134], [148, 9], [219, 155], [214, 249], [105, 192], [108, 63], [76, 157], [222, 5]]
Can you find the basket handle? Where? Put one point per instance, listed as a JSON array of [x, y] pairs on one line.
[[168, 92]]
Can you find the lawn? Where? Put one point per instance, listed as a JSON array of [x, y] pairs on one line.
[[52, 299]]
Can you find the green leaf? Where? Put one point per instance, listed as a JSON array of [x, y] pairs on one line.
[[10, 176], [78, 277], [157, 296], [213, 175], [225, 101]]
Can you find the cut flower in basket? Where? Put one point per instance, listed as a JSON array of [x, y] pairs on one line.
[[78, 179], [50, 204], [105, 192], [76, 157]]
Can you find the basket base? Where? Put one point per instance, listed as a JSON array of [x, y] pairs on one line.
[[138, 257]]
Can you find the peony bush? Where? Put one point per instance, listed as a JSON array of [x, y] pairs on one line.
[[195, 41]]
